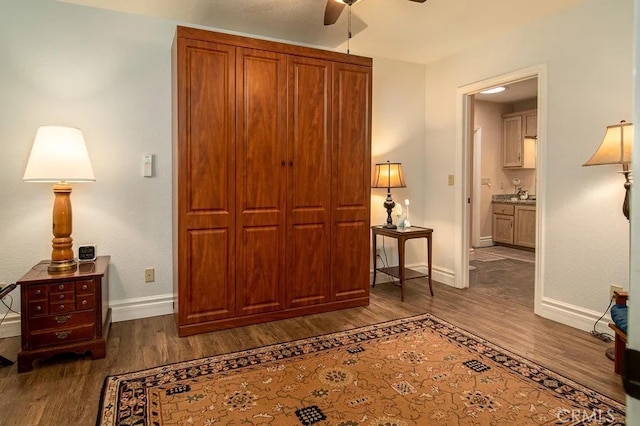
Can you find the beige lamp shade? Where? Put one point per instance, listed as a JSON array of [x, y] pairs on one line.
[[615, 147], [388, 175], [59, 154]]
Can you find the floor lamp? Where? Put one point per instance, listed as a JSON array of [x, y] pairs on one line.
[[616, 149]]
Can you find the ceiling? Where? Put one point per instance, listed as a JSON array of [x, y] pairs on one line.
[[396, 29], [515, 92]]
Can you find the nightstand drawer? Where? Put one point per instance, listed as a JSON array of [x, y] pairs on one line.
[[64, 297], [38, 292], [85, 287], [84, 302], [62, 287], [38, 308], [62, 321], [58, 308], [62, 336]]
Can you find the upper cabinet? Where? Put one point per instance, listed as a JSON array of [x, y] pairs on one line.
[[519, 130]]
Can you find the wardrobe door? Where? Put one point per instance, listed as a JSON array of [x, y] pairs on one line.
[[309, 182], [204, 153], [351, 181], [260, 181]]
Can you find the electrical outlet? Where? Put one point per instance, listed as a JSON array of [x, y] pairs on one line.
[[149, 275], [613, 288]]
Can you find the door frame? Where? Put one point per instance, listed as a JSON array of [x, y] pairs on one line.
[[462, 218], [477, 188]]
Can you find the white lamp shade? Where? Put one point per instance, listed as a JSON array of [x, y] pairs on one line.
[[616, 146], [59, 154]]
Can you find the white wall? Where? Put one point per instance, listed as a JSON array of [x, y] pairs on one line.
[[397, 135], [588, 54], [109, 74]]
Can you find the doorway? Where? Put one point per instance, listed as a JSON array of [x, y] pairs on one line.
[[467, 218]]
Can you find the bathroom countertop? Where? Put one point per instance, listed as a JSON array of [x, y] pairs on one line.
[[507, 199]]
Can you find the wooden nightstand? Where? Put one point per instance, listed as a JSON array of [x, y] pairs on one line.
[[64, 312]]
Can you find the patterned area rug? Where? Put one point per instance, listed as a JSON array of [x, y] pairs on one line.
[[415, 371]]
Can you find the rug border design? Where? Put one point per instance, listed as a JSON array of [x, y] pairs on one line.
[[294, 348]]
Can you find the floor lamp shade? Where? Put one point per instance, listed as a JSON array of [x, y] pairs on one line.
[[388, 175], [616, 148], [59, 155]]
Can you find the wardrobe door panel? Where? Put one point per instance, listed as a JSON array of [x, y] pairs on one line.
[[309, 182], [204, 155], [351, 180], [261, 181]]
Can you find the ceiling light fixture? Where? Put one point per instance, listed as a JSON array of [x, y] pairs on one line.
[[494, 90]]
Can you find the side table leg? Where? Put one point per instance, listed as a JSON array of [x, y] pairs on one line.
[[429, 263], [375, 258], [401, 266]]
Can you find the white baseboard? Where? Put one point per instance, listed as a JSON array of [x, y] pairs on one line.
[[142, 307], [442, 275], [572, 315], [485, 242], [10, 326]]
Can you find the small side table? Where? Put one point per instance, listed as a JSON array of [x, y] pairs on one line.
[[64, 312], [400, 272]]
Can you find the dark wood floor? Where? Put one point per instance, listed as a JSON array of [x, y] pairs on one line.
[[65, 390]]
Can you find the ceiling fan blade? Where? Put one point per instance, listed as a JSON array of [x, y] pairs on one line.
[[332, 12]]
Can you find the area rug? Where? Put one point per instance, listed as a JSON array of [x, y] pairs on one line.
[[415, 371]]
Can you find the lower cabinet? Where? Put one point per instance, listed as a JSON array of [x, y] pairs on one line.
[[514, 224]]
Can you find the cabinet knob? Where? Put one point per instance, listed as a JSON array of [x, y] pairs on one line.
[[84, 286], [61, 297], [84, 302], [38, 291], [38, 308], [61, 286], [61, 307]]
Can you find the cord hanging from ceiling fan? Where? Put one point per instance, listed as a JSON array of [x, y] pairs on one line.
[[349, 30]]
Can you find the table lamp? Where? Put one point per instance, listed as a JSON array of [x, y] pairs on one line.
[[388, 175], [59, 155], [616, 149]]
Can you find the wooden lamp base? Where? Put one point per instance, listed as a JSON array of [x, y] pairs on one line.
[[62, 260]]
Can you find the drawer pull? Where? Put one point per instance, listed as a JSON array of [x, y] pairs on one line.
[[61, 286], [62, 334], [61, 297], [61, 319], [84, 302], [38, 291], [61, 307], [38, 308], [84, 286]]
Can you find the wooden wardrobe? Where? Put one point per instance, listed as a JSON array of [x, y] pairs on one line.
[[271, 180]]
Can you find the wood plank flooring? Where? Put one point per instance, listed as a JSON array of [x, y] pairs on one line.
[[65, 390]]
